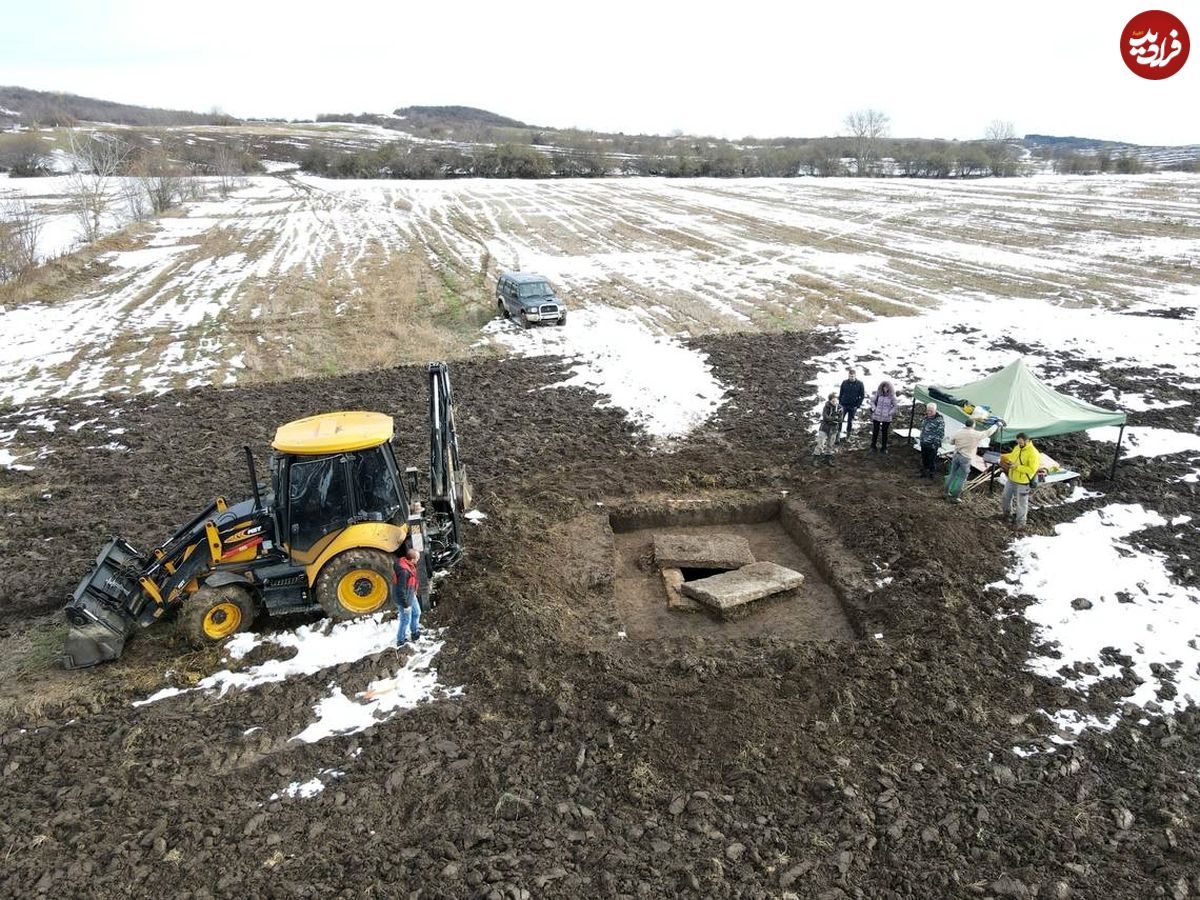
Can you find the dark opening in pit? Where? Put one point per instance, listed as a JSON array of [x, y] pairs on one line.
[[690, 574], [650, 605]]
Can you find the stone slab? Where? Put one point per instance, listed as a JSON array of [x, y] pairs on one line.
[[702, 551], [673, 581], [729, 592]]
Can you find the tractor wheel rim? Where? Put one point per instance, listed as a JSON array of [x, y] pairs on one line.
[[222, 620], [362, 590]]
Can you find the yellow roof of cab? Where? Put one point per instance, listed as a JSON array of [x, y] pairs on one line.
[[337, 432]]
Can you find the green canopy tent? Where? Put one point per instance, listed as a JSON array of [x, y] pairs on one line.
[[1025, 403]]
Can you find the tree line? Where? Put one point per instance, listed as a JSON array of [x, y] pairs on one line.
[[49, 109], [116, 178]]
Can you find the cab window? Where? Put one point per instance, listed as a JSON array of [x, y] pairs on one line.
[[318, 499], [375, 487]]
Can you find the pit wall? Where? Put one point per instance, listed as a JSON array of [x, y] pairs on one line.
[[812, 533]]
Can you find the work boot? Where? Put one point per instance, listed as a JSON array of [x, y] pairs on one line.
[[416, 635]]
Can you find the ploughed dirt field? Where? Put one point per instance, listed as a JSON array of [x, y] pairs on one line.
[[888, 740]]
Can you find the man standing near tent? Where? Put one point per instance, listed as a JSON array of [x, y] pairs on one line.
[[933, 429], [966, 443], [1020, 465], [850, 397]]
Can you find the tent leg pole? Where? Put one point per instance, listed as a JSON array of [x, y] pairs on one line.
[[1112, 473], [912, 417]]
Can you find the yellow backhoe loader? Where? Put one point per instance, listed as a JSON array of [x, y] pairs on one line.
[[320, 535]]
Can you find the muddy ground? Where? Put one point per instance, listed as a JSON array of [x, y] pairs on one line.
[[577, 762]]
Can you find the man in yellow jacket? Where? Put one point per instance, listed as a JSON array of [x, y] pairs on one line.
[[1020, 465]]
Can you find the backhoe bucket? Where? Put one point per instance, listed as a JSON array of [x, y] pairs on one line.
[[103, 610]]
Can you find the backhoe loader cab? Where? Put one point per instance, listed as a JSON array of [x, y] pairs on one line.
[[323, 535]]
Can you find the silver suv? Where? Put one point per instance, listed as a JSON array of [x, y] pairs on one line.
[[529, 299]]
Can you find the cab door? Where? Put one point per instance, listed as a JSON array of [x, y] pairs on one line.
[[318, 505]]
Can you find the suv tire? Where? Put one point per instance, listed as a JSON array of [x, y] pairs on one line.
[[524, 320], [562, 317], [503, 309]]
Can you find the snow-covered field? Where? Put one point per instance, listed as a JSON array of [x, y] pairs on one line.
[[681, 257]]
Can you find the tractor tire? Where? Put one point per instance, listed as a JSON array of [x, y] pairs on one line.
[[355, 583], [214, 614]]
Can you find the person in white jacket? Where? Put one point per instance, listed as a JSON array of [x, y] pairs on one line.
[[966, 444]]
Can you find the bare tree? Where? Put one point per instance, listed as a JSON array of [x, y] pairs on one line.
[[97, 160], [20, 228], [999, 130], [99, 153], [133, 197], [160, 180], [1000, 140], [228, 167], [868, 128]]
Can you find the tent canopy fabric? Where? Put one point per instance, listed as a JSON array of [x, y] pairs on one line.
[[1024, 402]]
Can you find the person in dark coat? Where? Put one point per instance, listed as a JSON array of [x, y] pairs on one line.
[[850, 397], [883, 410], [933, 429]]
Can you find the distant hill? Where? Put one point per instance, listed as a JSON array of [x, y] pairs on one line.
[[48, 108], [419, 116], [1183, 156], [440, 122]]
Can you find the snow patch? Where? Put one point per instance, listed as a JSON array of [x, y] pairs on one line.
[[307, 789], [414, 682], [1147, 441], [318, 647], [1135, 606], [663, 386]]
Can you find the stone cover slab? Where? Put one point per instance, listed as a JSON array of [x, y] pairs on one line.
[[702, 551], [728, 592]]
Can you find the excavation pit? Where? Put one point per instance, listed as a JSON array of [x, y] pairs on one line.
[[651, 598]]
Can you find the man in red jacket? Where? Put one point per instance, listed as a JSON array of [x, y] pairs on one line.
[[405, 585]]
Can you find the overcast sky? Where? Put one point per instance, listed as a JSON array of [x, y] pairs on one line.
[[731, 69]]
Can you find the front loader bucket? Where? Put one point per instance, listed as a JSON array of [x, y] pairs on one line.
[[103, 610], [90, 645]]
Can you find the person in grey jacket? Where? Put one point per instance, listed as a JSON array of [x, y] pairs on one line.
[[883, 409]]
